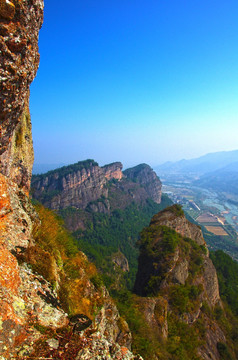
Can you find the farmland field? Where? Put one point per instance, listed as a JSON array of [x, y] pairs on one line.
[[217, 230], [206, 218]]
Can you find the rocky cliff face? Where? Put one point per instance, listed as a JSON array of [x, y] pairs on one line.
[[121, 261], [176, 220], [179, 278], [76, 187], [113, 171], [34, 275], [19, 27], [146, 177], [20, 22], [85, 184]]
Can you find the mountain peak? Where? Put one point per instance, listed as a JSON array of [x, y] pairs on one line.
[[146, 177], [174, 218], [176, 279]]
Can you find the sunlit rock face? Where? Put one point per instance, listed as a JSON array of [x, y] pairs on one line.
[[121, 261], [20, 22], [78, 185], [174, 263], [113, 171], [78, 188]]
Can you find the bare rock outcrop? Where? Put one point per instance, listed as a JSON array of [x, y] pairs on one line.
[[155, 310], [20, 22], [176, 220], [113, 171], [176, 247], [211, 282], [121, 261]]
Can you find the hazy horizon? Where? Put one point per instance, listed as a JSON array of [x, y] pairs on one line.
[[44, 167], [135, 82]]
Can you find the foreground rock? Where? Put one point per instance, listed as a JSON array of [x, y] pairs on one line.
[[19, 26], [20, 22]]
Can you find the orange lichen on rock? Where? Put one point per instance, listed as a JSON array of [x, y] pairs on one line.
[[124, 351], [4, 196], [9, 274], [7, 9], [4, 204]]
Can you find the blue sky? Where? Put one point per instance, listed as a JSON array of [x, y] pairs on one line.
[[136, 81]]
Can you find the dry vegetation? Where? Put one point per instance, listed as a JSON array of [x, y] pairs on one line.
[[58, 259]]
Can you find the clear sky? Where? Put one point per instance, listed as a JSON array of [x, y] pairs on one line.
[[136, 80]]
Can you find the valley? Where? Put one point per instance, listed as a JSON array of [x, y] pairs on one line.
[[217, 216]]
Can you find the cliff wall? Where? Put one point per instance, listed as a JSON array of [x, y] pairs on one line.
[[83, 184], [20, 22], [75, 188]]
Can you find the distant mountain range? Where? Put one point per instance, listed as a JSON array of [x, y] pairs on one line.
[[215, 171], [202, 165], [224, 180]]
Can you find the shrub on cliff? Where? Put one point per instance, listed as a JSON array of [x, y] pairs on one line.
[[227, 271], [57, 258]]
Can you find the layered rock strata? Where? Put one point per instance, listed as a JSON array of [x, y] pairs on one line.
[[76, 189]]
